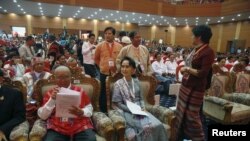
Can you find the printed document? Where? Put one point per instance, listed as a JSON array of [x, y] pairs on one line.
[[135, 109], [65, 99]]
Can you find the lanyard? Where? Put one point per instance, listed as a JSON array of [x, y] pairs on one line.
[[200, 49], [110, 48], [132, 92]]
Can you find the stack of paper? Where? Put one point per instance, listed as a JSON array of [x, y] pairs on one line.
[[65, 99], [135, 109]]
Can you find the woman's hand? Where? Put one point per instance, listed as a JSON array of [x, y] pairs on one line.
[[76, 111]]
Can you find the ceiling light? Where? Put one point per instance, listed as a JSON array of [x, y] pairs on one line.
[[102, 18], [81, 8], [174, 18], [133, 19], [185, 19], [206, 22], [21, 9], [120, 18], [95, 13], [196, 24], [14, 1], [148, 15], [100, 9], [111, 14], [0, 7], [106, 16], [197, 18], [40, 8], [18, 5], [208, 19], [24, 12], [196, 21], [218, 21], [133, 13], [221, 17], [78, 11], [60, 9], [39, 3], [249, 17], [158, 21], [161, 17], [140, 17], [150, 23], [117, 11], [165, 20], [233, 19], [61, 6], [238, 15], [153, 19], [41, 11], [4, 10], [146, 20]]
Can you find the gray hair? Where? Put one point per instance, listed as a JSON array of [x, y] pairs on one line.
[[62, 68]]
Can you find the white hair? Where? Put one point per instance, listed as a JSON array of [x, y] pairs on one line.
[[62, 68]]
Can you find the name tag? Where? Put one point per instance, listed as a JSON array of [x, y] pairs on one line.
[[111, 63], [64, 119]]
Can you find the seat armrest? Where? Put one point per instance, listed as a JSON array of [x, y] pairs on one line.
[[165, 115], [38, 130], [103, 125], [117, 119], [20, 132]]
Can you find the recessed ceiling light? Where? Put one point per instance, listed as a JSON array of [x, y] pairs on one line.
[[14, 1], [158, 21], [218, 21], [106, 16], [18, 5], [60, 9], [233, 19], [21, 9], [249, 17], [126, 16], [221, 17], [117, 11], [146, 20], [100, 9], [61, 5], [40, 8], [102, 18], [78, 11], [120, 18], [161, 17], [150, 23], [140, 17], [133, 19], [0, 7], [148, 15], [81, 8], [111, 14], [196, 21], [41, 11], [24, 12], [95, 13], [153, 19], [208, 19], [174, 18], [133, 13], [196, 24], [185, 19], [39, 3], [238, 15], [5, 10], [197, 18]]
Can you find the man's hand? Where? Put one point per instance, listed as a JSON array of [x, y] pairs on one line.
[[54, 93], [76, 111], [2, 136]]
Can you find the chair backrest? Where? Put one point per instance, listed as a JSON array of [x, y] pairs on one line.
[[90, 85], [242, 84], [147, 86], [218, 85], [16, 84]]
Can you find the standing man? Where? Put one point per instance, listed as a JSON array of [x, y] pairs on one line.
[[138, 52], [88, 56], [11, 108], [105, 57], [26, 51]]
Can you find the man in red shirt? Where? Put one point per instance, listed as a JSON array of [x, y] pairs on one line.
[[79, 128]]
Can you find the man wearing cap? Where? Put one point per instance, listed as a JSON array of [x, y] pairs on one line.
[[125, 41], [26, 51], [11, 108], [36, 74]]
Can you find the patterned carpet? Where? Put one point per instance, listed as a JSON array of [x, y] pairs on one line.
[[169, 101]]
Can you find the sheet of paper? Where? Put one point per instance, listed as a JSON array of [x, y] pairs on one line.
[[65, 99], [174, 89], [135, 109]]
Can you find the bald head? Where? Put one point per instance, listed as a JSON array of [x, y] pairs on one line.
[[63, 76]]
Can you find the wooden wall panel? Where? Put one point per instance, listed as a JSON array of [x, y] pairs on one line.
[[8, 20], [79, 24], [45, 22], [107, 4], [235, 6], [198, 10], [214, 40], [145, 32], [228, 34], [168, 10], [142, 6], [160, 33], [131, 27], [183, 36], [245, 33]]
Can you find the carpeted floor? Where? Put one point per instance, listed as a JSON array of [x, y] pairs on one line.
[[169, 101]]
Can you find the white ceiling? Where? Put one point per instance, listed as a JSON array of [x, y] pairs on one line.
[[66, 11]]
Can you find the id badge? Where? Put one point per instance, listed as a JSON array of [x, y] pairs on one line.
[[111, 63], [64, 119]]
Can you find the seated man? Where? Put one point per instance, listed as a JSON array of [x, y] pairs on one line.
[[61, 128], [11, 108]]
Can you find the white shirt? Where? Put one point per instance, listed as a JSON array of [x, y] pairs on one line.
[[88, 54], [171, 66], [158, 67], [45, 111]]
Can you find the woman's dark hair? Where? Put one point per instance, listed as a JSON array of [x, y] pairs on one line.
[[111, 29], [202, 31], [156, 54], [131, 61], [91, 34]]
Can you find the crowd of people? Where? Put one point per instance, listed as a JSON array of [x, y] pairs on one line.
[[38, 58]]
